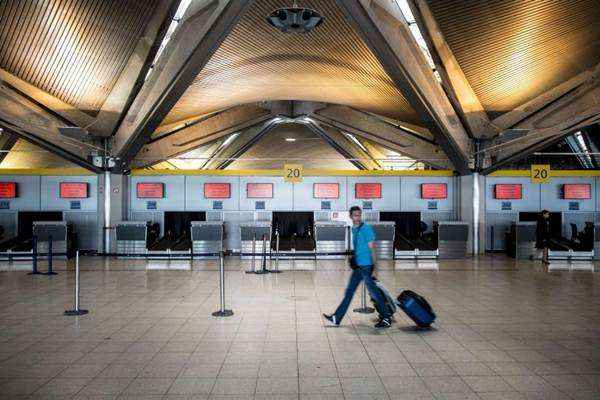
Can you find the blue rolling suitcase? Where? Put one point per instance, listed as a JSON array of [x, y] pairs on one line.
[[417, 308]]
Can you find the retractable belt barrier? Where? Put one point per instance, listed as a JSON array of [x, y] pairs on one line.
[[148, 255], [34, 256]]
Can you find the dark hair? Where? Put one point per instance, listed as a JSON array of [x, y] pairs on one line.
[[354, 208], [545, 212]]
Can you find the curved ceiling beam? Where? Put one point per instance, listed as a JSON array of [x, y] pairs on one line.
[[389, 37], [205, 26], [201, 132], [23, 118], [46, 100], [375, 129], [460, 91], [132, 77]]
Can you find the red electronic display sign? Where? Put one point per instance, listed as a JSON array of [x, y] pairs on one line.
[[508, 191], [8, 190], [579, 191], [434, 191], [217, 190], [73, 190], [148, 190], [367, 190], [259, 190], [326, 190]]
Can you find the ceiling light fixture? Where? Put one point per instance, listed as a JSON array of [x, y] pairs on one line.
[[295, 19], [290, 139]]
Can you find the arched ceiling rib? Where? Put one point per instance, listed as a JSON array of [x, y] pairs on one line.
[[73, 50], [272, 151], [513, 50], [257, 62]]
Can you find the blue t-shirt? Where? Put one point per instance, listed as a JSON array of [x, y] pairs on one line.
[[362, 235]]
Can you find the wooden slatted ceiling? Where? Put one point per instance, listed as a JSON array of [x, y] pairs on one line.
[[309, 150], [513, 50], [256, 62], [73, 49]]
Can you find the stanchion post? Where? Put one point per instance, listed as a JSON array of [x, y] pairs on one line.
[[263, 258], [277, 249], [254, 253], [363, 309], [50, 253], [34, 257], [222, 312], [77, 310]]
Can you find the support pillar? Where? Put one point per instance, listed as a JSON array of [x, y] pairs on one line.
[[112, 196], [472, 210]]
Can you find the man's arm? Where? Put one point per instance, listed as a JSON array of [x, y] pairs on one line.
[[373, 248]]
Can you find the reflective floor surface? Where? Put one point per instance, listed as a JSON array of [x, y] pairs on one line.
[[505, 330]]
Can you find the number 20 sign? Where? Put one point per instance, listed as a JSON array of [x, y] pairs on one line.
[[292, 173], [540, 173]]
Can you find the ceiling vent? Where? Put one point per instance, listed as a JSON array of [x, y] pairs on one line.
[[295, 19]]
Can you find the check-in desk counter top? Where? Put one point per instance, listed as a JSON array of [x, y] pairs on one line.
[[131, 237], [452, 239], [330, 237], [250, 231], [521, 240], [207, 237], [57, 231], [385, 232]]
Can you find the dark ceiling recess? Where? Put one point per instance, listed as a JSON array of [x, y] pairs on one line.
[[295, 19]]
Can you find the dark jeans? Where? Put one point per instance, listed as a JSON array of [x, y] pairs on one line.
[[359, 274]]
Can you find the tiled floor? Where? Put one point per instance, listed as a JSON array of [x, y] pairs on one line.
[[504, 331]]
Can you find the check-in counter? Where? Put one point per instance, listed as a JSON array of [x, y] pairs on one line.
[[207, 237], [55, 230], [330, 237], [250, 231], [452, 239], [384, 239], [132, 237], [520, 242]]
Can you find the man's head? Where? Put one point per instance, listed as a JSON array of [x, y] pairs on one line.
[[355, 214], [545, 214]]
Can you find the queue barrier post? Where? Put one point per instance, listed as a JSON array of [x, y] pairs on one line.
[[222, 312], [50, 254], [364, 309], [34, 257], [76, 310]]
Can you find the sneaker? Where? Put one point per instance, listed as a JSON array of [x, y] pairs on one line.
[[384, 323], [332, 318]]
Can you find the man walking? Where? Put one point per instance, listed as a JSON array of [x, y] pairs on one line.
[[363, 268]]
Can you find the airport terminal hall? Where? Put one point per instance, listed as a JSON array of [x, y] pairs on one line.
[[300, 199]]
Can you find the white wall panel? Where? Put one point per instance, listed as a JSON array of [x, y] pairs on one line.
[[282, 194], [531, 195], [174, 193], [552, 199], [50, 193], [411, 194], [194, 197], [28, 193], [390, 192], [305, 201]]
